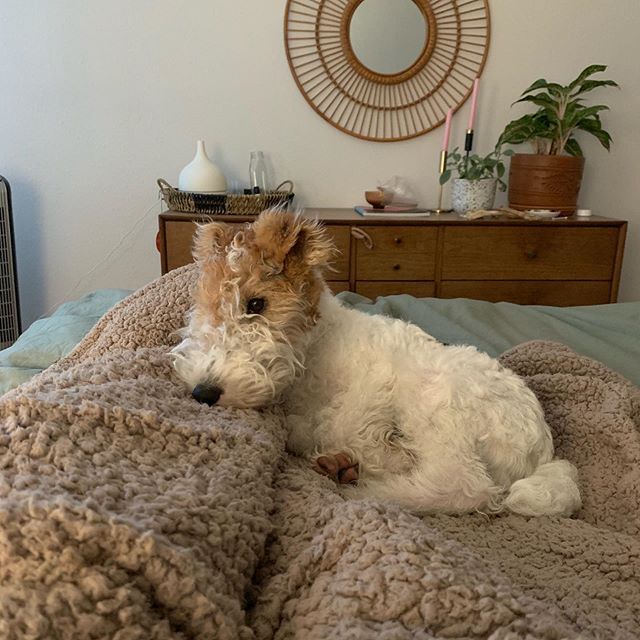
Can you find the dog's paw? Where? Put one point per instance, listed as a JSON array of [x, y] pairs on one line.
[[337, 466]]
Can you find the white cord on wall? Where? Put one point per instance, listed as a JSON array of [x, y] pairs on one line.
[[106, 259]]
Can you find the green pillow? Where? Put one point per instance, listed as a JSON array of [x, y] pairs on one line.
[[49, 339]]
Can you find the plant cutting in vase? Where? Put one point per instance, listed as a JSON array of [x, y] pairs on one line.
[[550, 177], [478, 177]]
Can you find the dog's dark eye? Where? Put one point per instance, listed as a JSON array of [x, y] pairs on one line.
[[256, 305]]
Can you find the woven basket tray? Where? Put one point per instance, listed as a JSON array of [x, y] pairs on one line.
[[221, 203]]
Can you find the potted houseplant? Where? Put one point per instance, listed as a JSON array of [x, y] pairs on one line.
[[550, 177], [477, 178]]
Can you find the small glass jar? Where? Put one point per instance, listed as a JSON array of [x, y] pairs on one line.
[[258, 173]]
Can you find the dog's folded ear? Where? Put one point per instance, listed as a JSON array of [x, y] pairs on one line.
[[211, 239], [287, 238]]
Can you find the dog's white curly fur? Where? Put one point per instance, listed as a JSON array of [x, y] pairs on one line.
[[432, 427]]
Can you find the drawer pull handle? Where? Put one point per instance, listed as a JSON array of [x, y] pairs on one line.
[[396, 267], [531, 254], [360, 234], [398, 240]]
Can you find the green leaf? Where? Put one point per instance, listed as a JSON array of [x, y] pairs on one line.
[[590, 124], [590, 85], [540, 99], [529, 127], [516, 131], [557, 89], [572, 147], [589, 114], [585, 73], [538, 84], [595, 129], [444, 176]]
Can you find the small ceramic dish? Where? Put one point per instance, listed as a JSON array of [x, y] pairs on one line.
[[377, 199]]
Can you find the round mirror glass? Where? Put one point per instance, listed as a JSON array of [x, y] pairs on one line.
[[388, 36]]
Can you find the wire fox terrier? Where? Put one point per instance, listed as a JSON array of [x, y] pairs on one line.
[[373, 402]]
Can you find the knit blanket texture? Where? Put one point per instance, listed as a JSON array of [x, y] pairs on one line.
[[129, 511]]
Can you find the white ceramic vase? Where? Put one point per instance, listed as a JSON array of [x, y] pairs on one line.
[[470, 195], [201, 175]]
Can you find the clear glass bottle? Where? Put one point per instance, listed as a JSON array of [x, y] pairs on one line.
[[258, 172]]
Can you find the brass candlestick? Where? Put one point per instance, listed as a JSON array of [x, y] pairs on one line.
[[441, 169]]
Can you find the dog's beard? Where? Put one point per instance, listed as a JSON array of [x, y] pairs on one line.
[[250, 365]]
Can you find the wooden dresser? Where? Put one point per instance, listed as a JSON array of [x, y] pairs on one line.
[[561, 262]]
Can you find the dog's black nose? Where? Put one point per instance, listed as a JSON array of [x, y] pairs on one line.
[[207, 393]]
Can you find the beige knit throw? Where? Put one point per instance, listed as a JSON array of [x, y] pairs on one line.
[[130, 511]]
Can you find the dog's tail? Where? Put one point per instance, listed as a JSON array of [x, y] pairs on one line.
[[550, 490]]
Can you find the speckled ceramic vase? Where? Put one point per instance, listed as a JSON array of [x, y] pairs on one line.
[[470, 195]]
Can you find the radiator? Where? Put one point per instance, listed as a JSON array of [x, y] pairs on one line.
[[9, 302]]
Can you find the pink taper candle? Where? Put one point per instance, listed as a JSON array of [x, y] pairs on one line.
[[447, 130], [474, 103]]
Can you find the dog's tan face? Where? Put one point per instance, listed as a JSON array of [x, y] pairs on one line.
[[255, 301]]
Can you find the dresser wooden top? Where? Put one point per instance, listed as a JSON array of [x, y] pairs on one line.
[[350, 217], [569, 261]]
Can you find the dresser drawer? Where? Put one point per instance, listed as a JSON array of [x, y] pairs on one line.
[[557, 293], [529, 253], [337, 286], [178, 237], [341, 236], [179, 243], [396, 253], [376, 288], [548, 262]]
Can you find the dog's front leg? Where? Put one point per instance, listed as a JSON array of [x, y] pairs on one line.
[[303, 440], [338, 466]]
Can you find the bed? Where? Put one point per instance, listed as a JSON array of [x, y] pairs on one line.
[[608, 332], [131, 511], [50, 338]]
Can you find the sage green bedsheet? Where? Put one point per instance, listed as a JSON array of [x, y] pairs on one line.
[[609, 333], [53, 337]]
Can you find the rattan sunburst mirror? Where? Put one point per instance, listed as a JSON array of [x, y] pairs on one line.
[[386, 70]]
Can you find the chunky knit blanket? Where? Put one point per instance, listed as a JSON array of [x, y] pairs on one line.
[[129, 511]]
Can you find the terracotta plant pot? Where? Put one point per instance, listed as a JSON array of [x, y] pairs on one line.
[[545, 182]]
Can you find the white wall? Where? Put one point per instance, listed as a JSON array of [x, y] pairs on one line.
[[98, 99]]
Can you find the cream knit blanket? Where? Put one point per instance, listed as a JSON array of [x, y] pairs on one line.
[[129, 511]]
